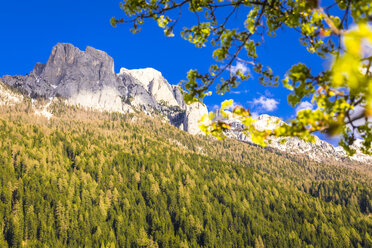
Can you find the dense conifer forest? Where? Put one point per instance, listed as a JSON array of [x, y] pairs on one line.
[[91, 179]]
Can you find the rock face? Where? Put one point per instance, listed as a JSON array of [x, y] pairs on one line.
[[155, 83], [87, 78], [194, 113]]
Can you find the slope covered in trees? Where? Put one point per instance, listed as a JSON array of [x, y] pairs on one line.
[[90, 179]]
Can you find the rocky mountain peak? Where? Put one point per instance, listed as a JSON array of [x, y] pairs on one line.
[[145, 76], [63, 53], [87, 78], [154, 82], [67, 64]]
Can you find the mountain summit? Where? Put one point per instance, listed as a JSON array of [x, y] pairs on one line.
[[87, 78]]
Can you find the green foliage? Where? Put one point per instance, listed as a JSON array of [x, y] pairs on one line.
[[335, 92], [109, 180]]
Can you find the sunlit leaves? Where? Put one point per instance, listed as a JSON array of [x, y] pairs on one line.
[[198, 35], [251, 20], [301, 86], [162, 21], [361, 10], [351, 70], [113, 22], [218, 125]]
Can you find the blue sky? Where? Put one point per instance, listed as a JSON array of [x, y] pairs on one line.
[[29, 30]]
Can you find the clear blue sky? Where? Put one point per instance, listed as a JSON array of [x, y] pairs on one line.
[[29, 30]]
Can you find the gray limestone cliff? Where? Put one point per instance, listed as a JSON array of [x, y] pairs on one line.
[[87, 78]]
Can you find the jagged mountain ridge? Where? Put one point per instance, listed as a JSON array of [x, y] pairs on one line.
[[87, 78], [319, 150]]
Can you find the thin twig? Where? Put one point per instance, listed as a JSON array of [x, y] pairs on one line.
[[240, 47]]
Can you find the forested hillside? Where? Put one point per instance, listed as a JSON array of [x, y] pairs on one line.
[[91, 179]]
